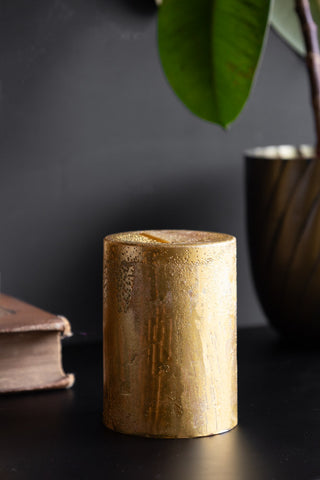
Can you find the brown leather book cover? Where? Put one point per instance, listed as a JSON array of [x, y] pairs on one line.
[[18, 316], [30, 347]]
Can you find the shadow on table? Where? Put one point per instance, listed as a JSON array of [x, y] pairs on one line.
[[226, 456], [61, 433], [279, 401]]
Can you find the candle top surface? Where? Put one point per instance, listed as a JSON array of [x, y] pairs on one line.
[[170, 237]]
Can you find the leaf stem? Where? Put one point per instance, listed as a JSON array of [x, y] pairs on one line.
[[310, 33]]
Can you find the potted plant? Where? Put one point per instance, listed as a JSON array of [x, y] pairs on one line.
[[210, 51]]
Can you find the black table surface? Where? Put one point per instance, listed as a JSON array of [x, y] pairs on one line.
[[59, 434]]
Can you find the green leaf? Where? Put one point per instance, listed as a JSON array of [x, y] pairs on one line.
[[209, 51], [286, 23]]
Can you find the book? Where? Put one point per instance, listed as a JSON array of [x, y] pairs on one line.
[[30, 348]]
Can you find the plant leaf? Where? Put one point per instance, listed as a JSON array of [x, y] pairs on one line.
[[209, 51], [286, 23]]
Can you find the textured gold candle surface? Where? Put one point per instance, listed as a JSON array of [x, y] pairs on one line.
[[170, 363]]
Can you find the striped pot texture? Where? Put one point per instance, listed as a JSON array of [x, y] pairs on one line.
[[283, 214]]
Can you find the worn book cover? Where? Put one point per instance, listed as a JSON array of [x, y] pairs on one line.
[[30, 347]]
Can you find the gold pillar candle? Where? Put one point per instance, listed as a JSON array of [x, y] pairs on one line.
[[170, 363]]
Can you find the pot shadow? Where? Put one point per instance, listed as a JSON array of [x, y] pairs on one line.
[[279, 400]]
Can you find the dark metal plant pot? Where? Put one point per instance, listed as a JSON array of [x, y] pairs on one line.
[[283, 214]]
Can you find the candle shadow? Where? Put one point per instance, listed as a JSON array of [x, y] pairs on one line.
[[67, 426], [225, 456]]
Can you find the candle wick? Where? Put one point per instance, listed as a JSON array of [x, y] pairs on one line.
[[152, 237]]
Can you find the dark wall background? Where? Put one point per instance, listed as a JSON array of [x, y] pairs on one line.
[[93, 141]]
